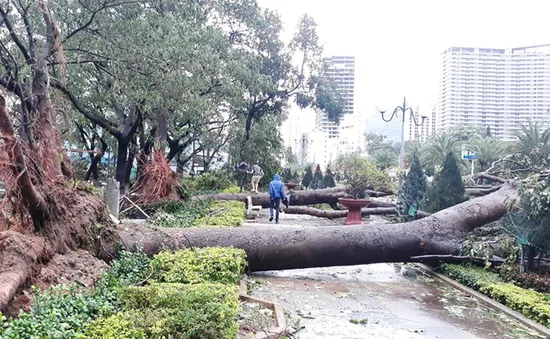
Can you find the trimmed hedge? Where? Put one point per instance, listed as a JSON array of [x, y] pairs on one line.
[[212, 264], [199, 214], [173, 311], [532, 304], [223, 214], [65, 311]]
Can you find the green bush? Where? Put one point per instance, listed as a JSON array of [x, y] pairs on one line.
[[532, 304], [173, 311], [199, 213], [212, 264], [179, 214], [65, 311], [223, 213], [209, 182], [470, 276], [231, 189]]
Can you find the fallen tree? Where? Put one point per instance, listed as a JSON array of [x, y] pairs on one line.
[[328, 196], [297, 198], [288, 247], [316, 212]]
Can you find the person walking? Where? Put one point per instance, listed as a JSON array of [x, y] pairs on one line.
[[257, 174], [276, 193]]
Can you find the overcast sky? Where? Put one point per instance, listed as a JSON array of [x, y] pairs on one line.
[[397, 43]]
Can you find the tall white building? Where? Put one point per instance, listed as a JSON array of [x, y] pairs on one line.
[[341, 71], [500, 88], [425, 130], [352, 133]]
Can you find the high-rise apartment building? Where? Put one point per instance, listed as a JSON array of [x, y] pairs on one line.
[[500, 88], [341, 71], [425, 130]]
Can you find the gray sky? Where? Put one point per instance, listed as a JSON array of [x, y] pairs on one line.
[[397, 43]]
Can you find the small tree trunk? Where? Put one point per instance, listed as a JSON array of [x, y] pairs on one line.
[[121, 161]]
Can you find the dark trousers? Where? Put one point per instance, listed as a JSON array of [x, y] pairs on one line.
[[275, 203]]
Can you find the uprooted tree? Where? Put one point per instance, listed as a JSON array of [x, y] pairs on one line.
[[45, 213]]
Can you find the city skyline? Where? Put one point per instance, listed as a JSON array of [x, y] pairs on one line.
[[397, 44]]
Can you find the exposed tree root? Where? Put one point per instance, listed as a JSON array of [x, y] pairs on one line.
[[157, 181]]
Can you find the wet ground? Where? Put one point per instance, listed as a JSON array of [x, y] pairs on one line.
[[382, 301]]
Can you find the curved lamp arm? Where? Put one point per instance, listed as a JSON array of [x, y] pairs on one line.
[[395, 111], [414, 117]]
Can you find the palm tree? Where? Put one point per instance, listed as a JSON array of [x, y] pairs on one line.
[[534, 142], [384, 159], [488, 150], [436, 150]]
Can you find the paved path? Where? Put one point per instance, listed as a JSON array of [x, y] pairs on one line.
[[382, 301]]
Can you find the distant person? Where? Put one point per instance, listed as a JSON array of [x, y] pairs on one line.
[[257, 174], [276, 193]]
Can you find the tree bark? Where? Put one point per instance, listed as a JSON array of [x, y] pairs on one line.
[[481, 191], [121, 161], [329, 214], [289, 247], [297, 198], [32, 199]]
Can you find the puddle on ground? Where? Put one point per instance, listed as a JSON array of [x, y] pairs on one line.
[[382, 301]]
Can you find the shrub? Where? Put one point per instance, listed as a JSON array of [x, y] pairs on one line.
[[65, 311], [536, 281], [470, 276], [208, 182], [179, 214], [173, 311], [213, 264], [532, 304], [356, 171], [223, 213], [199, 213]]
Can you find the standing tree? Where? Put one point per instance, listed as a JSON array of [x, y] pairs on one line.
[[328, 179], [317, 178], [308, 177], [415, 186], [447, 188]]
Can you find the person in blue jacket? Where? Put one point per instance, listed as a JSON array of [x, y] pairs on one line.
[[276, 193]]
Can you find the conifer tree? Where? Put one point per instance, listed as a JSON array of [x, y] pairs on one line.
[[328, 180], [415, 186], [308, 176], [317, 178], [447, 188]]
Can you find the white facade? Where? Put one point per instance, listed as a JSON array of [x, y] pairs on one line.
[[319, 148], [351, 133], [341, 71], [500, 88], [424, 131]]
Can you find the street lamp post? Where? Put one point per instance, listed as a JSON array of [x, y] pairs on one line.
[[403, 109]]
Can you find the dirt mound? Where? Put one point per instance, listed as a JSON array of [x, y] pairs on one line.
[[78, 266]]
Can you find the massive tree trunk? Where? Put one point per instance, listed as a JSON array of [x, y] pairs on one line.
[[313, 197], [309, 197], [121, 162], [343, 213], [288, 247]]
